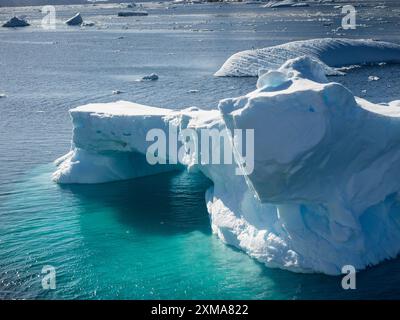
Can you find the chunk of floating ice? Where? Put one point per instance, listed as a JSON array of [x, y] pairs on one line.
[[193, 91], [132, 13], [373, 78], [331, 52], [87, 24], [76, 20], [324, 189], [2, 95], [15, 22], [150, 77], [117, 92]]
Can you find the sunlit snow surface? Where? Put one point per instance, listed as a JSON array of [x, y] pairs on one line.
[[79, 229]]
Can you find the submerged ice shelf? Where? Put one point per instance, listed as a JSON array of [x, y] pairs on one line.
[[324, 190]]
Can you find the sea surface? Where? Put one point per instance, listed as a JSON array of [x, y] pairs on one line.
[[148, 238]]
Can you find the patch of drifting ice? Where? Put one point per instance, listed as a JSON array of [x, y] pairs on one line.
[[324, 190], [331, 52], [373, 78]]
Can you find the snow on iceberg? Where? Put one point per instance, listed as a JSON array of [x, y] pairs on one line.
[[324, 189], [331, 52]]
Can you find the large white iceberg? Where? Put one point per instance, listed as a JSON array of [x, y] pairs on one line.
[[329, 51], [324, 189]]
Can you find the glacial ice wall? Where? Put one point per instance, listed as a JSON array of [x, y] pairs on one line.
[[324, 190], [329, 51]]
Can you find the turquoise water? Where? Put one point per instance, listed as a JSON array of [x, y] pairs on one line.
[[133, 240], [147, 238]]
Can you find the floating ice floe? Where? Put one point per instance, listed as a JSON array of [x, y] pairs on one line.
[[150, 77], [373, 78], [87, 24], [331, 52], [76, 20], [117, 92], [15, 22], [324, 189], [2, 95]]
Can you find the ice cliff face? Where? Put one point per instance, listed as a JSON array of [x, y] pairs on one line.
[[324, 190]]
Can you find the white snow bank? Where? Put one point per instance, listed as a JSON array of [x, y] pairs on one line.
[[324, 190], [331, 52]]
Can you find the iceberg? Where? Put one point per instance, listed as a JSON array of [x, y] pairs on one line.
[[76, 20], [329, 51], [150, 77], [15, 22], [324, 192]]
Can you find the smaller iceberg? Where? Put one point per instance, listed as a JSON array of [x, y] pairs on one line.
[[328, 51], [150, 77], [15, 22], [76, 20]]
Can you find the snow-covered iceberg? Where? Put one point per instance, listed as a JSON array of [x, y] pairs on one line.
[[324, 189], [329, 51]]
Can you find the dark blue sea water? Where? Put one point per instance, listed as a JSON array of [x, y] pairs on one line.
[[150, 237]]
